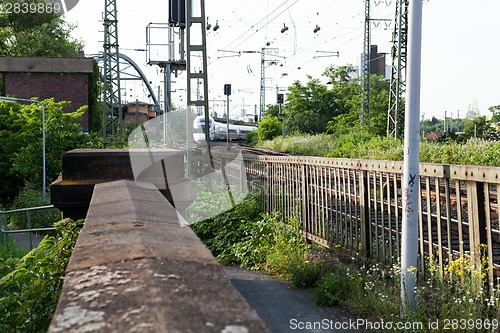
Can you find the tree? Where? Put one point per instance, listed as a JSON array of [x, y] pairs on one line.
[[310, 107], [476, 128], [36, 34], [269, 127], [21, 142], [347, 92], [495, 118]]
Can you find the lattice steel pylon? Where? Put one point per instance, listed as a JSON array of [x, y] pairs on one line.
[[196, 66], [112, 107], [398, 78], [365, 74]]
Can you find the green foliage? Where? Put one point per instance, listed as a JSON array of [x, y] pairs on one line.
[[334, 289], [306, 275], [243, 236], [288, 248], [221, 232], [472, 152], [21, 142], [30, 291], [37, 34], [32, 197], [269, 127], [476, 128], [95, 111], [252, 138], [346, 93], [255, 241], [362, 144], [310, 106], [495, 110]]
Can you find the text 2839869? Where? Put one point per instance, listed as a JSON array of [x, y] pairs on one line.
[[21, 7]]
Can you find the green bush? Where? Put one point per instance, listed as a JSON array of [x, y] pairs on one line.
[[257, 239], [306, 275], [334, 289], [269, 127], [252, 138], [30, 291], [288, 248], [221, 232], [32, 197], [246, 237]]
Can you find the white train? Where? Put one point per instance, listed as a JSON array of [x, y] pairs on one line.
[[218, 131]]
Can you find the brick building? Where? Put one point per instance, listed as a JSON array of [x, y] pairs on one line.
[[64, 79], [139, 112]]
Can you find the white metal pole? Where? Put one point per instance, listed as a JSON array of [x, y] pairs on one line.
[[409, 238]]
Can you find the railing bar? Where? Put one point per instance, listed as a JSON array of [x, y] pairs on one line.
[[357, 200], [389, 215], [26, 209], [421, 228], [489, 245], [429, 212], [396, 210], [324, 192], [458, 195], [382, 220], [439, 231], [338, 216], [448, 217], [350, 229]]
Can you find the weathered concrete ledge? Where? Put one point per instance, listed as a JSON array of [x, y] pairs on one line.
[[135, 269]]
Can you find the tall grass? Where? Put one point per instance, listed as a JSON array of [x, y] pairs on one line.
[[363, 145]]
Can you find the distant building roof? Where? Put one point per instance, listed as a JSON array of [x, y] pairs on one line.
[[433, 136]]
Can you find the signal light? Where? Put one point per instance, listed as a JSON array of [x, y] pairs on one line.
[[280, 98]]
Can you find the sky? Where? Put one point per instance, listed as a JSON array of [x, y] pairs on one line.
[[458, 47]]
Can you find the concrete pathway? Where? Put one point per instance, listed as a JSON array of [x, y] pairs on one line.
[[286, 309]]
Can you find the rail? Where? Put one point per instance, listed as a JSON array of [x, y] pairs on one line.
[[4, 224], [356, 205]]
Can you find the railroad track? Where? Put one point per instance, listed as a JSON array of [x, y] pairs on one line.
[[261, 151]]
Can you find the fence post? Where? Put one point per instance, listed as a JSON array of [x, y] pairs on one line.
[[243, 177], [477, 220], [304, 197], [364, 213], [28, 218]]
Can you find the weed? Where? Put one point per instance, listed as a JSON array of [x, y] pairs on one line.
[[334, 289], [31, 285], [306, 275]]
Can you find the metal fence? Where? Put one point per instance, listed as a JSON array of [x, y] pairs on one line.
[[356, 205], [4, 224]]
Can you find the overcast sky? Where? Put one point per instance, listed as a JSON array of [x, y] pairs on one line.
[[459, 45]]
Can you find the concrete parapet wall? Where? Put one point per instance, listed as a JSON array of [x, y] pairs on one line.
[[135, 269]]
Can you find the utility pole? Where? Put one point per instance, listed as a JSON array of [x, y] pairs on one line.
[[411, 175], [196, 52], [273, 52], [227, 92], [111, 72]]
